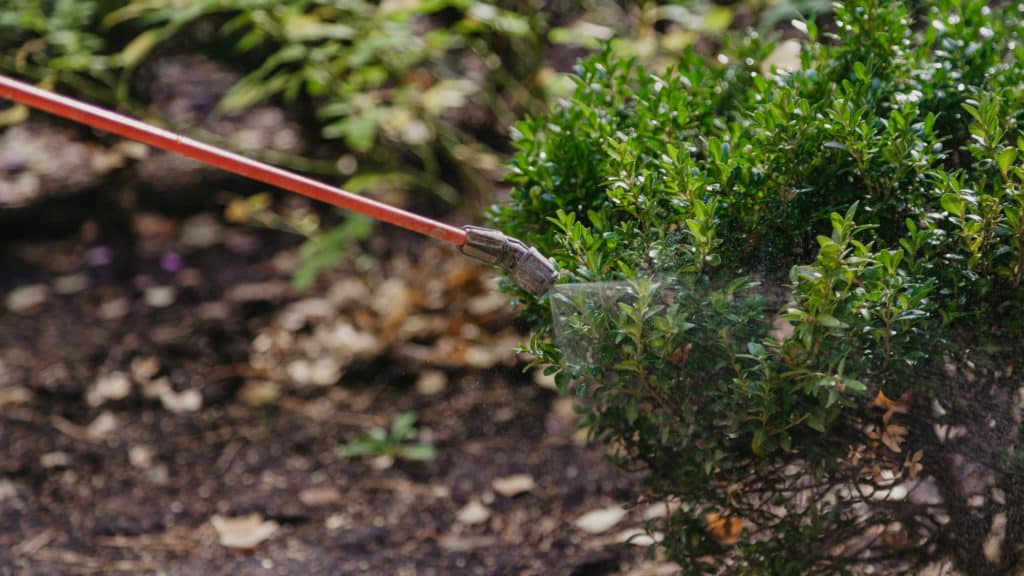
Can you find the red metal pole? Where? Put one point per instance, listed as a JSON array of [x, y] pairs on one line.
[[135, 130]]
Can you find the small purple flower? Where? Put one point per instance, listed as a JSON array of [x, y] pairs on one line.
[[99, 256], [171, 261]]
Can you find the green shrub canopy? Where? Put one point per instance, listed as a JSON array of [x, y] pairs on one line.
[[787, 245]]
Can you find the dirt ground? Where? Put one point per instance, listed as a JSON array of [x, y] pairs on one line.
[[160, 378]]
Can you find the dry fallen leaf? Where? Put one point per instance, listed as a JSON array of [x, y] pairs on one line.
[[901, 406], [487, 303], [141, 456], [113, 386], [180, 402], [993, 546], [70, 284], [201, 231], [114, 309], [913, 463], [160, 296], [893, 437], [14, 395], [382, 462], [465, 543], [104, 425], [336, 522], [897, 539], [8, 490], [54, 460], [243, 531], [145, 368], [257, 393], [322, 371], [27, 299], [481, 357], [301, 313], [856, 454], [393, 300], [473, 513], [348, 292], [659, 510], [602, 520], [724, 529], [320, 496], [431, 383], [513, 485], [681, 355], [344, 338], [887, 417]]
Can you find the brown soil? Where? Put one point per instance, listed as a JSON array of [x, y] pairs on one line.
[[107, 465]]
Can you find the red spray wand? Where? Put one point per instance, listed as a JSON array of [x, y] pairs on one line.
[[524, 265]]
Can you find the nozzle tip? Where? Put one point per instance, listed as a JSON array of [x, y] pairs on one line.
[[525, 265], [534, 273]]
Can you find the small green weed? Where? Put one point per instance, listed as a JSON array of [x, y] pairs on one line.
[[399, 441]]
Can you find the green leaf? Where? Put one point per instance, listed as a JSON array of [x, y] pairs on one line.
[[851, 211], [855, 386], [912, 315], [832, 398], [953, 204], [786, 441], [718, 19], [304, 27], [628, 366], [356, 448], [861, 71], [632, 411], [324, 251], [816, 421], [830, 253], [757, 443], [252, 90], [364, 182], [402, 427], [447, 94], [14, 115], [140, 47], [1005, 159], [973, 111], [360, 132], [829, 321], [418, 452]]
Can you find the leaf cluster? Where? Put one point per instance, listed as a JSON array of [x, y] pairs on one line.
[[58, 40], [770, 247]]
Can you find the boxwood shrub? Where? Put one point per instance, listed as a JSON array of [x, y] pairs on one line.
[[795, 298]]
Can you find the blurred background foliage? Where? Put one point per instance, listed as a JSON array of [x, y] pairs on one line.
[[407, 96]]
